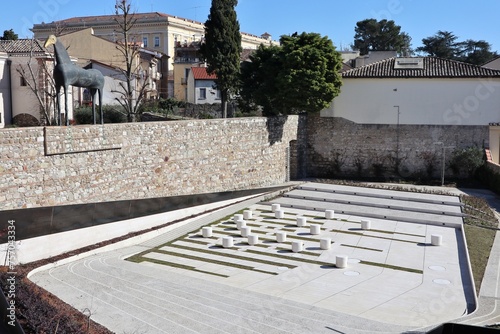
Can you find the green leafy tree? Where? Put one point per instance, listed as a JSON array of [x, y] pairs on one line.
[[383, 35], [444, 44], [300, 75], [222, 47], [9, 35]]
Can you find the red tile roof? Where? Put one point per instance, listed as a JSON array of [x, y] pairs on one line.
[[433, 67], [200, 73], [22, 46]]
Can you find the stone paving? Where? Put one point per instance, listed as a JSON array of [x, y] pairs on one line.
[[181, 282]]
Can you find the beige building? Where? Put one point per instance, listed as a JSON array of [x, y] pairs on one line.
[[155, 31]]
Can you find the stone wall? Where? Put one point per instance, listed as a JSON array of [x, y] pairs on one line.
[[337, 147], [87, 164]]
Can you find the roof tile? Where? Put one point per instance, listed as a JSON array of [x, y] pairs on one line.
[[200, 73], [434, 67]]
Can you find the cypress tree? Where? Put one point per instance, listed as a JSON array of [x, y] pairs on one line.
[[222, 47]]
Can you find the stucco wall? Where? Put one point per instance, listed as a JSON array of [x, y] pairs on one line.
[[84, 164], [337, 147], [420, 101]]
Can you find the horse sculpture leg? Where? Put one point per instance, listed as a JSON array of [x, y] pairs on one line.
[[58, 101], [100, 105], [66, 104], [92, 93]]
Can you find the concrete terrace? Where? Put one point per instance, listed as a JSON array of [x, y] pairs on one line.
[[181, 282]]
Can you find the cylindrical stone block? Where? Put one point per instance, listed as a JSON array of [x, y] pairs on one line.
[[329, 214], [314, 229], [247, 214], [281, 236], [237, 217], [436, 240], [297, 246], [206, 232], [275, 207], [245, 231], [240, 224], [366, 224], [325, 243], [301, 221], [253, 239], [227, 242], [279, 214], [341, 261]]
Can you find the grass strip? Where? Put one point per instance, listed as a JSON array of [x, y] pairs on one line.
[[389, 266], [176, 265], [360, 247], [371, 236], [303, 252], [222, 263], [233, 256]]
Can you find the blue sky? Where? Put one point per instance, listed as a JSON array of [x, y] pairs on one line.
[[335, 19]]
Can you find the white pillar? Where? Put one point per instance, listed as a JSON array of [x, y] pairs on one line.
[[314, 229], [245, 231], [436, 240], [240, 224], [281, 236], [297, 246], [247, 214], [325, 243], [227, 242], [341, 261], [275, 207], [279, 214], [206, 232], [301, 221], [237, 217], [253, 239], [366, 224], [329, 214]]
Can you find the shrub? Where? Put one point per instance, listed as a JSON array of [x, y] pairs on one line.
[[112, 114], [465, 161]]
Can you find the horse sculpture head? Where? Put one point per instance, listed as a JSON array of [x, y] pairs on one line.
[[50, 41]]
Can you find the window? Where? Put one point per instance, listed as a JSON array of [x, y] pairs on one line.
[[203, 93], [157, 41], [217, 95], [145, 41]]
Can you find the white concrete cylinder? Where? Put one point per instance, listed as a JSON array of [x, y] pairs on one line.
[[279, 214], [366, 224], [245, 231], [330, 214], [275, 207], [325, 243], [240, 224], [281, 236], [297, 246], [206, 232], [237, 217], [253, 239], [436, 240], [227, 242], [247, 214], [341, 261], [301, 221], [314, 229]]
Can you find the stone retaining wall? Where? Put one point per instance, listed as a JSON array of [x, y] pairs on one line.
[[87, 164], [337, 147]]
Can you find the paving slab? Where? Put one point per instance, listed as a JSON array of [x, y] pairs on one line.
[[395, 281]]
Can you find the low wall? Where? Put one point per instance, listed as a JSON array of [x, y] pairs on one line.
[[50, 166], [337, 147]]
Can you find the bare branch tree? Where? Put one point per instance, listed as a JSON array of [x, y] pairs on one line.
[[41, 83], [133, 89]]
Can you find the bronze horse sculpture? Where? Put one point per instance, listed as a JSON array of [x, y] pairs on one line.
[[66, 73]]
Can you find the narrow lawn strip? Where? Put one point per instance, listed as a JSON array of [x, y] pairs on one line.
[[360, 247], [389, 266], [194, 241], [303, 252], [222, 263], [177, 265], [370, 236], [233, 256], [319, 263]]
